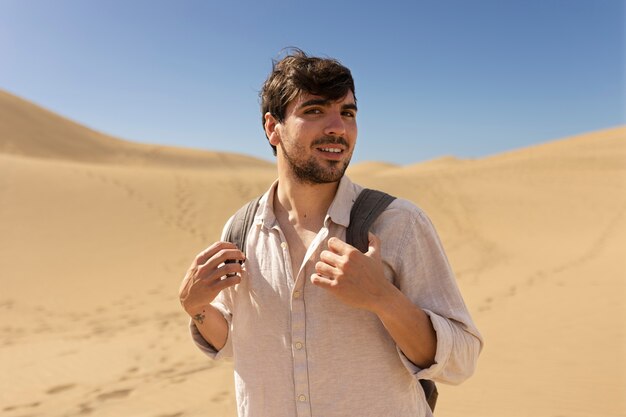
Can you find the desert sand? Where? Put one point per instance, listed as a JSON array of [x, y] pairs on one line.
[[97, 232]]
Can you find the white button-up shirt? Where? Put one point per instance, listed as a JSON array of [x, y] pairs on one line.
[[299, 351]]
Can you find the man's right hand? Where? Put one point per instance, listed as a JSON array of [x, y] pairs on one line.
[[208, 275]]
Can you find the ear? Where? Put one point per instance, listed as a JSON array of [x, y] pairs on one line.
[[272, 129]]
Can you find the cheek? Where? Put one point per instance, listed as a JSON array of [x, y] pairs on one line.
[[352, 134], [352, 129], [296, 136], [298, 130]]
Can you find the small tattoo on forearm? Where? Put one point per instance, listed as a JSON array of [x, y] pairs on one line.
[[199, 317]]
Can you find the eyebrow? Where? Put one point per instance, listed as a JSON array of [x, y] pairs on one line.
[[326, 102]]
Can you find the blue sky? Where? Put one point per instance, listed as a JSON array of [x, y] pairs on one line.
[[433, 78]]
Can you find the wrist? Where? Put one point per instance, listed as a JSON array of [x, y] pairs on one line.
[[197, 311], [386, 301]]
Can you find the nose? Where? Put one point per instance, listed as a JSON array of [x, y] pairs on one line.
[[335, 125]]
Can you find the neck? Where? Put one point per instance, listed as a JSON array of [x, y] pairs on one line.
[[305, 204]]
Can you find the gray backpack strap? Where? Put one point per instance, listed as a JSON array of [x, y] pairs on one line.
[[237, 232], [366, 209], [430, 392]]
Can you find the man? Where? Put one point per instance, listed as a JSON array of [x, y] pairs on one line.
[[315, 327]]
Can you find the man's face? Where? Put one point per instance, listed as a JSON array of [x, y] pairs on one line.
[[317, 137]]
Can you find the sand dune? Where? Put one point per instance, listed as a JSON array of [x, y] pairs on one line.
[[370, 168], [29, 130], [94, 242]]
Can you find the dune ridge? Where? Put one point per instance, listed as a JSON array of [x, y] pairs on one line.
[[93, 247], [29, 130]]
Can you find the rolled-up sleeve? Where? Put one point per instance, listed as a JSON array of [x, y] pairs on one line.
[[452, 366], [423, 274]]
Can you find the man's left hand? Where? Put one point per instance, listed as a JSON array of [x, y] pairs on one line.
[[356, 278]]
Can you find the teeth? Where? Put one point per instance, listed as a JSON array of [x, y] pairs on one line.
[[334, 150]]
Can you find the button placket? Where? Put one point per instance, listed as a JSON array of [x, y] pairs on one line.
[[300, 365], [298, 330]]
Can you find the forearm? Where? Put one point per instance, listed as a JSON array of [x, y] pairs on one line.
[[212, 325], [409, 326]]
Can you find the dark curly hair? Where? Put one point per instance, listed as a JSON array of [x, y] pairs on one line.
[[299, 73]]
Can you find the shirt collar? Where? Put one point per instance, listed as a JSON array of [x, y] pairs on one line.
[[338, 212], [265, 213]]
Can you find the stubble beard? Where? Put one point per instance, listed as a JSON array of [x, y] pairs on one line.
[[311, 171]]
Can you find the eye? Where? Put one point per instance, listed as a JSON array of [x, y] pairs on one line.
[[313, 110], [349, 113]]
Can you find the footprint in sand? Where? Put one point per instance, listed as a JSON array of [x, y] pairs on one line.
[[222, 396], [16, 407], [8, 304], [60, 388], [111, 395], [85, 408]]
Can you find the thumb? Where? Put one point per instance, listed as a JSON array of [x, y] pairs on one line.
[[373, 245]]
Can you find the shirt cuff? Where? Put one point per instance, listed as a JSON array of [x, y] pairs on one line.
[[206, 347], [444, 349]]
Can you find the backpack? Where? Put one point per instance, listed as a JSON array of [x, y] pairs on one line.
[[366, 209]]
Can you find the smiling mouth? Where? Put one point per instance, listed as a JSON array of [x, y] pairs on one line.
[[331, 145], [331, 150]]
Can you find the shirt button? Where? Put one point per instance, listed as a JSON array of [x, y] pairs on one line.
[[299, 345], [296, 294], [283, 245], [302, 398]]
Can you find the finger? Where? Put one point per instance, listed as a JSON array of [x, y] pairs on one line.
[[206, 254], [224, 271], [227, 282], [208, 287], [330, 258], [338, 246], [322, 282], [325, 270], [373, 245], [222, 256]]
